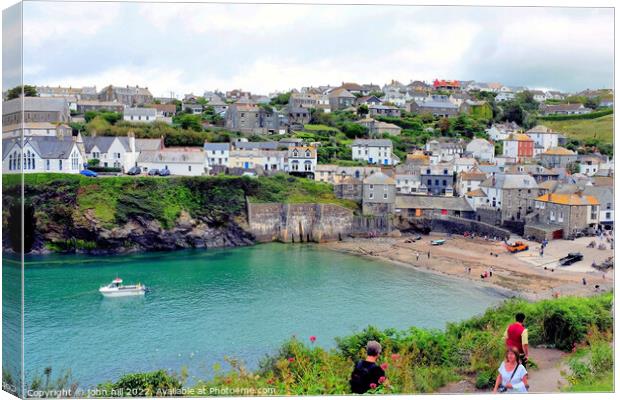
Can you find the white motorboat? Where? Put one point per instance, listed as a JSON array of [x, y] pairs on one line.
[[117, 289]]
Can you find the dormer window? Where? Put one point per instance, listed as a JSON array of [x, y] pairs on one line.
[[295, 153], [307, 153]]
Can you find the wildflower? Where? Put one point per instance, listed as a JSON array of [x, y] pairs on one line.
[[381, 380], [312, 339], [384, 366], [395, 357], [291, 360], [373, 385]]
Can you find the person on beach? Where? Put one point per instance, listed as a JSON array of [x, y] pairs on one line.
[[417, 256], [367, 373], [512, 375], [429, 254], [516, 337], [583, 280]]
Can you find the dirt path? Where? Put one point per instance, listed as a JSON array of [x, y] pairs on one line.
[[547, 378]]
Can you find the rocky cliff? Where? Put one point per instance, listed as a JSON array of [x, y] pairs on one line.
[[120, 214]]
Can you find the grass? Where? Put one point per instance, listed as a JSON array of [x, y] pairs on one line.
[[116, 200], [320, 127], [598, 128]]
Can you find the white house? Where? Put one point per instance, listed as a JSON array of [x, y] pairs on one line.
[[184, 161], [463, 164], [259, 158], [374, 151], [504, 96], [543, 136], [302, 159], [499, 132], [42, 154], [409, 184], [217, 154], [481, 149], [112, 151], [135, 114]]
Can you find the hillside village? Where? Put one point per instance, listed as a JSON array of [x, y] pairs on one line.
[[463, 149]]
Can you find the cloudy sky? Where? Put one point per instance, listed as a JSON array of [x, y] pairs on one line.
[[194, 47]]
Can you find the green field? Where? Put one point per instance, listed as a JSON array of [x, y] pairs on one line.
[[599, 128]]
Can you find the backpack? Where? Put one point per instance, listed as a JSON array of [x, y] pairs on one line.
[[360, 378]]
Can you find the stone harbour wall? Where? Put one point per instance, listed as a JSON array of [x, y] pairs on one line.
[[308, 222]]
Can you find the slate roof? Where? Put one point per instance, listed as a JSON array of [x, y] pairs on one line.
[[433, 203], [510, 181], [217, 146], [256, 145], [148, 112], [48, 147], [379, 178], [373, 142], [173, 156], [34, 104], [104, 142]]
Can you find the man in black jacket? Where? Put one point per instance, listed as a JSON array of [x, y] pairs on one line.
[[366, 373]]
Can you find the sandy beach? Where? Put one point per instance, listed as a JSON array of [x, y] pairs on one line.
[[525, 274]]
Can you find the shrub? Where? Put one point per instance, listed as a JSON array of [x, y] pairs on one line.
[[156, 383]]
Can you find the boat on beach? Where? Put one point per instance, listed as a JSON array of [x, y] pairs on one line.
[[117, 289], [437, 242]]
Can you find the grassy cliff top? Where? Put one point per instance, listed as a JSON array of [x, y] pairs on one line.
[[116, 199]]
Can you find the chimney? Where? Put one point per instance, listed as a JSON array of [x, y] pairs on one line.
[[59, 133], [132, 141]]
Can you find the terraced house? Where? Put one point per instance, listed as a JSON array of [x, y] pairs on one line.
[[374, 151], [566, 214]]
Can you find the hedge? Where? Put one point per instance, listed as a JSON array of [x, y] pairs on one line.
[[592, 115]]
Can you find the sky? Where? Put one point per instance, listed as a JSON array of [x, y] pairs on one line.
[[190, 48]]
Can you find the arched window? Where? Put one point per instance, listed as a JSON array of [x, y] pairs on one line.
[[11, 162], [75, 162]]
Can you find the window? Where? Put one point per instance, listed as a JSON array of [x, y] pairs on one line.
[[371, 195], [60, 165], [189, 168], [96, 154], [371, 187], [47, 165], [75, 163], [551, 215], [385, 196]]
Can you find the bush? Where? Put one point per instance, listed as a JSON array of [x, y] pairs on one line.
[[592, 115], [151, 384]]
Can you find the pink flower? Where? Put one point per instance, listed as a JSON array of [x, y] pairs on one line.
[[381, 380], [373, 385], [312, 339], [291, 360], [395, 357], [384, 366]]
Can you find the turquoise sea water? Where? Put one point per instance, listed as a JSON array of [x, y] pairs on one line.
[[207, 304]]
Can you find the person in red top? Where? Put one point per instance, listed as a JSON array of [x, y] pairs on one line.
[[516, 337]]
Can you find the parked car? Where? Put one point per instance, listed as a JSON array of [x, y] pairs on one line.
[[153, 172], [134, 171], [89, 173], [516, 247], [164, 172], [571, 258]]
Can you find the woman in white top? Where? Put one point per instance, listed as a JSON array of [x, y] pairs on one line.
[[512, 376]]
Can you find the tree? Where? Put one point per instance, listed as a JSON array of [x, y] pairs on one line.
[[189, 121], [444, 125], [362, 109], [16, 92], [512, 111], [573, 167], [353, 130], [281, 99]]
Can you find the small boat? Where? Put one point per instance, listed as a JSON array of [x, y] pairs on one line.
[[117, 289], [437, 242]]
